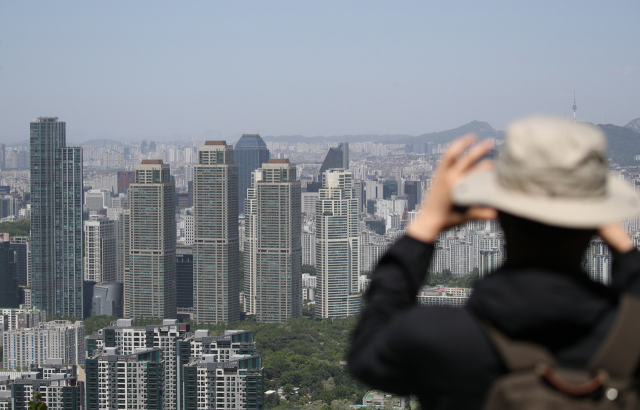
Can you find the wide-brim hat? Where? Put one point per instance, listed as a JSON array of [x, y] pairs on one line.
[[552, 171]]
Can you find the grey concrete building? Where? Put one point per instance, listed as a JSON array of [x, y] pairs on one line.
[[56, 219], [273, 252], [337, 247], [216, 266], [150, 230]]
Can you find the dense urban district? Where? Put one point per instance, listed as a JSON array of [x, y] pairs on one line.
[[221, 274]]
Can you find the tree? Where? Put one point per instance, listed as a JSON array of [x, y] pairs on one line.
[[36, 403], [310, 269], [21, 227]]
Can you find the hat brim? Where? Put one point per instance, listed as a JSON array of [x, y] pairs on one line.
[[483, 189]]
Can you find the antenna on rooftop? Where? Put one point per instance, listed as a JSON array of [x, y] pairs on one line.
[[575, 107]]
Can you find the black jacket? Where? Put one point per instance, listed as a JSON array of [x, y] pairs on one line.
[[441, 354]]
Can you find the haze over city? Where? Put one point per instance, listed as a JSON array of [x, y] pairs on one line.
[[168, 70]]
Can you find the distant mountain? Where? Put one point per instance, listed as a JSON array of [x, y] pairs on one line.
[[292, 139], [624, 144], [481, 129], [634, 125]]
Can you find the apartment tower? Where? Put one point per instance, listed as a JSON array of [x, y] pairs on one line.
[[337, 248], [273, 252], [150, 237], [216, 266], [56, 219]]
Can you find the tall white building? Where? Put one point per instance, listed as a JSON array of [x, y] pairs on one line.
[[150, 243], [337, 249], [272, 249], [56, 339], [216, 263], [100, 247]]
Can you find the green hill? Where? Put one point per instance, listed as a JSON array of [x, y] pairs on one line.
[[624, 144]]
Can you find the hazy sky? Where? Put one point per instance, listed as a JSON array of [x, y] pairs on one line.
[[128, 70]]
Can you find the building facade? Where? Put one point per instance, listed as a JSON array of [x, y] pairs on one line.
[[184, 277], [56, 339], [150, 230], [125, 381], [56, 219], [249, 153], [21, 245], [216, 264], [9, 290], [273, 252], [337, 247], [100, 247]]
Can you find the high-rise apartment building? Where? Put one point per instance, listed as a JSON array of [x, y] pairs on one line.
[[337, 247], [56, 219], [272, 248], [249, 153], [216, 266], [100, 259], [150, 231]]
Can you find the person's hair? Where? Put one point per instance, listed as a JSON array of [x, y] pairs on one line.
[[538, 244]]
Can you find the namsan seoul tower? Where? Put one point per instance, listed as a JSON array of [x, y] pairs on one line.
[[574, 106]]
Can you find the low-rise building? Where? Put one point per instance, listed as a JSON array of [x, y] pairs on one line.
[[232, 384], [34, 345], [57, 384], [125, 381]]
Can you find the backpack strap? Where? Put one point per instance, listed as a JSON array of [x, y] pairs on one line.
[[518, 355], [620, 350]]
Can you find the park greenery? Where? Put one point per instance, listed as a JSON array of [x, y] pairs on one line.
[[446, 278], [304, 357], [21, 227]]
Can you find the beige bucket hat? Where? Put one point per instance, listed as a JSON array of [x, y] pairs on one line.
[[552, 171]]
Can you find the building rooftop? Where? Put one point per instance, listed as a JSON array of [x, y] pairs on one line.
[[278, 161], [215, 143], [250, 141], [151, 161]]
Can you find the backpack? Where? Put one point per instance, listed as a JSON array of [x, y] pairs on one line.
[[535, 382]]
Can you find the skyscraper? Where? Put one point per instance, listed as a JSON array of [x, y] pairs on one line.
[[216, 266], [273, 252], [56, 219], [250, 153], [337, 157], [337, 248], [150, 230]]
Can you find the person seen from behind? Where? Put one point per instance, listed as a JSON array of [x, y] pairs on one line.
[[539, 316]]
